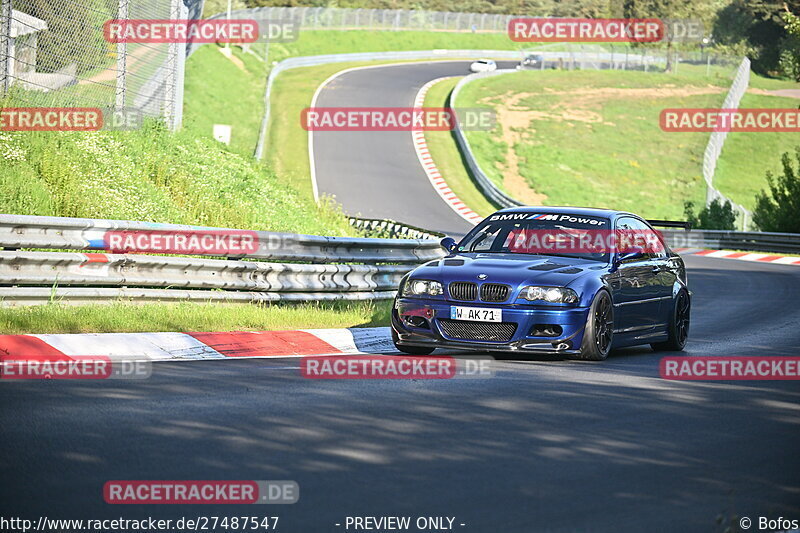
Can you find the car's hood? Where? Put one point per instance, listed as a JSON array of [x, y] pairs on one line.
[[512, 269]]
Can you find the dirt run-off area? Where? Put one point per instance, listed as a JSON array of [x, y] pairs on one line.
[[578, 105]]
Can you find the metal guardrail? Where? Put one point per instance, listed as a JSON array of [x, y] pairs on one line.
[[748, 241], [60, 233], [489, 189], [567, 57], [393, 229], [312, 61], [23, 296], [342, 268], [38, 277], [499, 198], [121, 270], [492, 192]]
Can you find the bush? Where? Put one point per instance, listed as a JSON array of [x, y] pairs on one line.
[[716, 215], [73, 33], [780, 209], [790, 47]]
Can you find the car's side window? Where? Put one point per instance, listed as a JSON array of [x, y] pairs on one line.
[[645, 231], [657, 250], [628, 224]]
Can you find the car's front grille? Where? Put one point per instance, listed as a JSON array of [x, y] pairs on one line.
[[463, 290], [494, 292], [478, 331]]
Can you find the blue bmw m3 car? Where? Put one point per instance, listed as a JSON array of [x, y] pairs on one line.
[[563, 280]]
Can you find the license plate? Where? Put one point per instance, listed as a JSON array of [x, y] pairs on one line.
[[478, 314]]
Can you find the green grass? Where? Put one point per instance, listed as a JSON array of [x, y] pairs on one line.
[[444, 152], [318, 42], [286, 149], [217, 91], [126, 317], [759, 82], [747, 156], [151, 175], [604, 152]]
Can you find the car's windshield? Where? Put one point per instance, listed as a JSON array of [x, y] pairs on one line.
[[558, 234]]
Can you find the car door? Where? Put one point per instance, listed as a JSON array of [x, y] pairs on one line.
[[636, 286], [666, 277]]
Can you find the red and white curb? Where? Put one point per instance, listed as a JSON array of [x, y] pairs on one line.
[[198, 346], [741, 256], [434, 176]]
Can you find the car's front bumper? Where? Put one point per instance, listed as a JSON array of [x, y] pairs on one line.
[[417, 323]]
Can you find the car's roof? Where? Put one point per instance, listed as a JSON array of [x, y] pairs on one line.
[[585, 211]]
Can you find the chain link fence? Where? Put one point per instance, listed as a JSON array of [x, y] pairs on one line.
[[54, 53], [331, 18], [717, 140]]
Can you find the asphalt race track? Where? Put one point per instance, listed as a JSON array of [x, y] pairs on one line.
[[545, 445], [377, 174]]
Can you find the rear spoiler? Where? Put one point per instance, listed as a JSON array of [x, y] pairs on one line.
[[671, 224]]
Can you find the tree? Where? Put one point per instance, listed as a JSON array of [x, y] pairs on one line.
[[73, 33], [780, 209], [670, 10], [715, 215], [758, 24], [790, 46]]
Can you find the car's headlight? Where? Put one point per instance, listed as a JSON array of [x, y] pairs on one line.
[[560, 295], [422, 287]]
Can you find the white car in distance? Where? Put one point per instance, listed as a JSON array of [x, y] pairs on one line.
[[483, 65]]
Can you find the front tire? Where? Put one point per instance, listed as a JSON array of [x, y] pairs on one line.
[[410, 350], [599, 332], [678, 326]]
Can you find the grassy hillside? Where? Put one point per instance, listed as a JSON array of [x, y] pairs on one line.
[[747, 156], [444, 152], [151, 175], [342, 42], [592, 138], [220, 90]]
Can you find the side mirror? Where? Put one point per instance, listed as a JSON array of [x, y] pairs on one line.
[[627, 256], [449, 244]]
